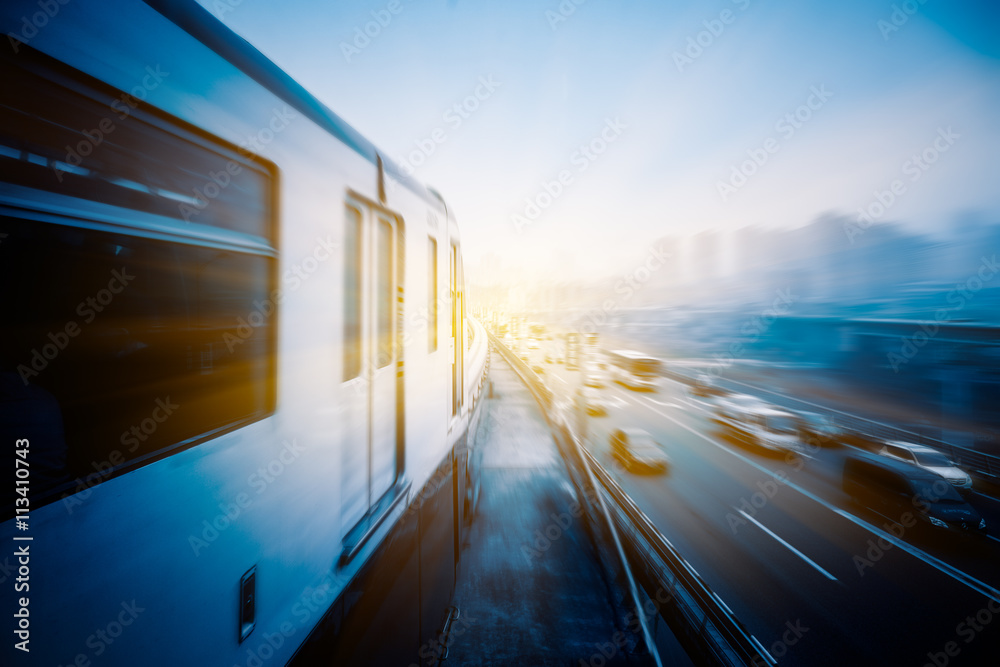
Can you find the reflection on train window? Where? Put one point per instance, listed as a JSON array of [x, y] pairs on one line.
[[432, 296], [134, 343], [137, 316], [352, 294], [46, 143]]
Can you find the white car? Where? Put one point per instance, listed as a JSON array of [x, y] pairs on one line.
[[928, 458], [760, 423], [637, 451], [593, 380]]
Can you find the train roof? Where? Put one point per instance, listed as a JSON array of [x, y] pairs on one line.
[[217, 36]]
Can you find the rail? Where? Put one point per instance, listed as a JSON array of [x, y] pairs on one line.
[[700, 620], [710, 624]]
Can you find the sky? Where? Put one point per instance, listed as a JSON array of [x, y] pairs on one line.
[[708, 115]]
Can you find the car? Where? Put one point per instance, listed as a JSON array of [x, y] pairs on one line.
[[637, 451], [930, 459], [893, 488], [760, 424], [548, 357], [705, 386], [819, 429], [746, 400], [538, 369], [595, 405], [593, 380]]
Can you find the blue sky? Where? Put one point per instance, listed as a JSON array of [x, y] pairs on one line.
[[681, 129]]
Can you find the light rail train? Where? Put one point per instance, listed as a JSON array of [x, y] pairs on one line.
[[235, 359]]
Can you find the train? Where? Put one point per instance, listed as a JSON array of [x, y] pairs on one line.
[[240, 392]]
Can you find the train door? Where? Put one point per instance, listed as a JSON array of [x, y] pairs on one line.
[[371, 279]]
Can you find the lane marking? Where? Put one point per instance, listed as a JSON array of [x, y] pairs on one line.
[[666, 405], [697, 404], [795, 551], [941, 566]]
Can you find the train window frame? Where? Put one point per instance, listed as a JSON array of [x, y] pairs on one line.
[[158, 123], [38, 206], [385, 285]]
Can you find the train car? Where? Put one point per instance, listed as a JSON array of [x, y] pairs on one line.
[[238, 389]]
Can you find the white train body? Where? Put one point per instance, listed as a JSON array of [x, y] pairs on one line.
[[345, 462]]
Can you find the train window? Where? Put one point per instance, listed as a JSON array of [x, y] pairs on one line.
[[384, 294], [352, 294], [137, 344], [72, 136], [131, 333], [432, 295]]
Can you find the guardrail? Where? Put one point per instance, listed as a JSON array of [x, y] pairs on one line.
[[711, 625], [703, 624], [979, 464]]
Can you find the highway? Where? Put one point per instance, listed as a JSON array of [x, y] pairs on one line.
[[816, 579]]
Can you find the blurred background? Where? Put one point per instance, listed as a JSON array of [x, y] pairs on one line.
[[662, 175], [720, 334]]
